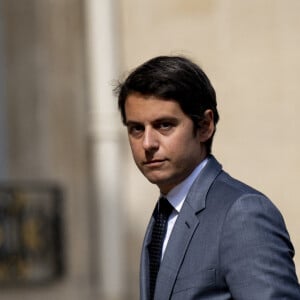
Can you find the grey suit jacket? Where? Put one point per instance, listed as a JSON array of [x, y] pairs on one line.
[[229, 242]]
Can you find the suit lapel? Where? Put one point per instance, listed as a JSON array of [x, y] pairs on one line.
[[185, 226], [180, 238], [144, 264]]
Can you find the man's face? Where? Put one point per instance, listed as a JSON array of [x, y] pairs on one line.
[[163, 142]]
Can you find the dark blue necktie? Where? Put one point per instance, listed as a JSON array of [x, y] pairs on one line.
[[161, 215]]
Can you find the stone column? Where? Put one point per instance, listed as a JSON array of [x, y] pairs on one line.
[[3, 139], [105, 144]]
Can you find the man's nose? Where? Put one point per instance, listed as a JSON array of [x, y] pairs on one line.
[[150, 141]]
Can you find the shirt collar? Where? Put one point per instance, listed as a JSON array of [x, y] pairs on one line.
[[178, 194]]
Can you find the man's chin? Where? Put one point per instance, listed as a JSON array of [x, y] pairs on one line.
[[155, 179], [164, 184]]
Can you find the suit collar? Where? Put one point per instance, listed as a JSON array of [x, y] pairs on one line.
[[197, 195]]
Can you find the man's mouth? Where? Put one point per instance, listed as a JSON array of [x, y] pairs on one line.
[[154, 162]]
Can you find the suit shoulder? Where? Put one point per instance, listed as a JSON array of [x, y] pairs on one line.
[[226, 184], [229, 191]]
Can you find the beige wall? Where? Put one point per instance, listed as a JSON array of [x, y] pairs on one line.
[[250, 50]]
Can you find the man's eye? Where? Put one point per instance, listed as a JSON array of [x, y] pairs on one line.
[[135, 129], [165, 125]]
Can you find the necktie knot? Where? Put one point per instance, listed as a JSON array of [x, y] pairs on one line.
[[164, 207]]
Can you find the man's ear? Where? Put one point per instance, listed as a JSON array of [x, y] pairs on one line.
[[206, 126]]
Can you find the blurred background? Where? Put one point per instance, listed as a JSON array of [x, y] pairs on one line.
[[73, 207]]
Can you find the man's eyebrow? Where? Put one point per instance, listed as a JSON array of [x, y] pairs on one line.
[[158, 120], [167, 118], [130, 123]]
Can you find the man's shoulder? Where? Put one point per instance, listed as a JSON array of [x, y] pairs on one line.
[[225, 183], [227, 189], [214, 187], [232, 193]]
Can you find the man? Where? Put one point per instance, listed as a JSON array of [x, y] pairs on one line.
[[224, 240]]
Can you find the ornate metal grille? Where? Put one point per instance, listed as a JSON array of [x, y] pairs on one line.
[[30, 233]]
